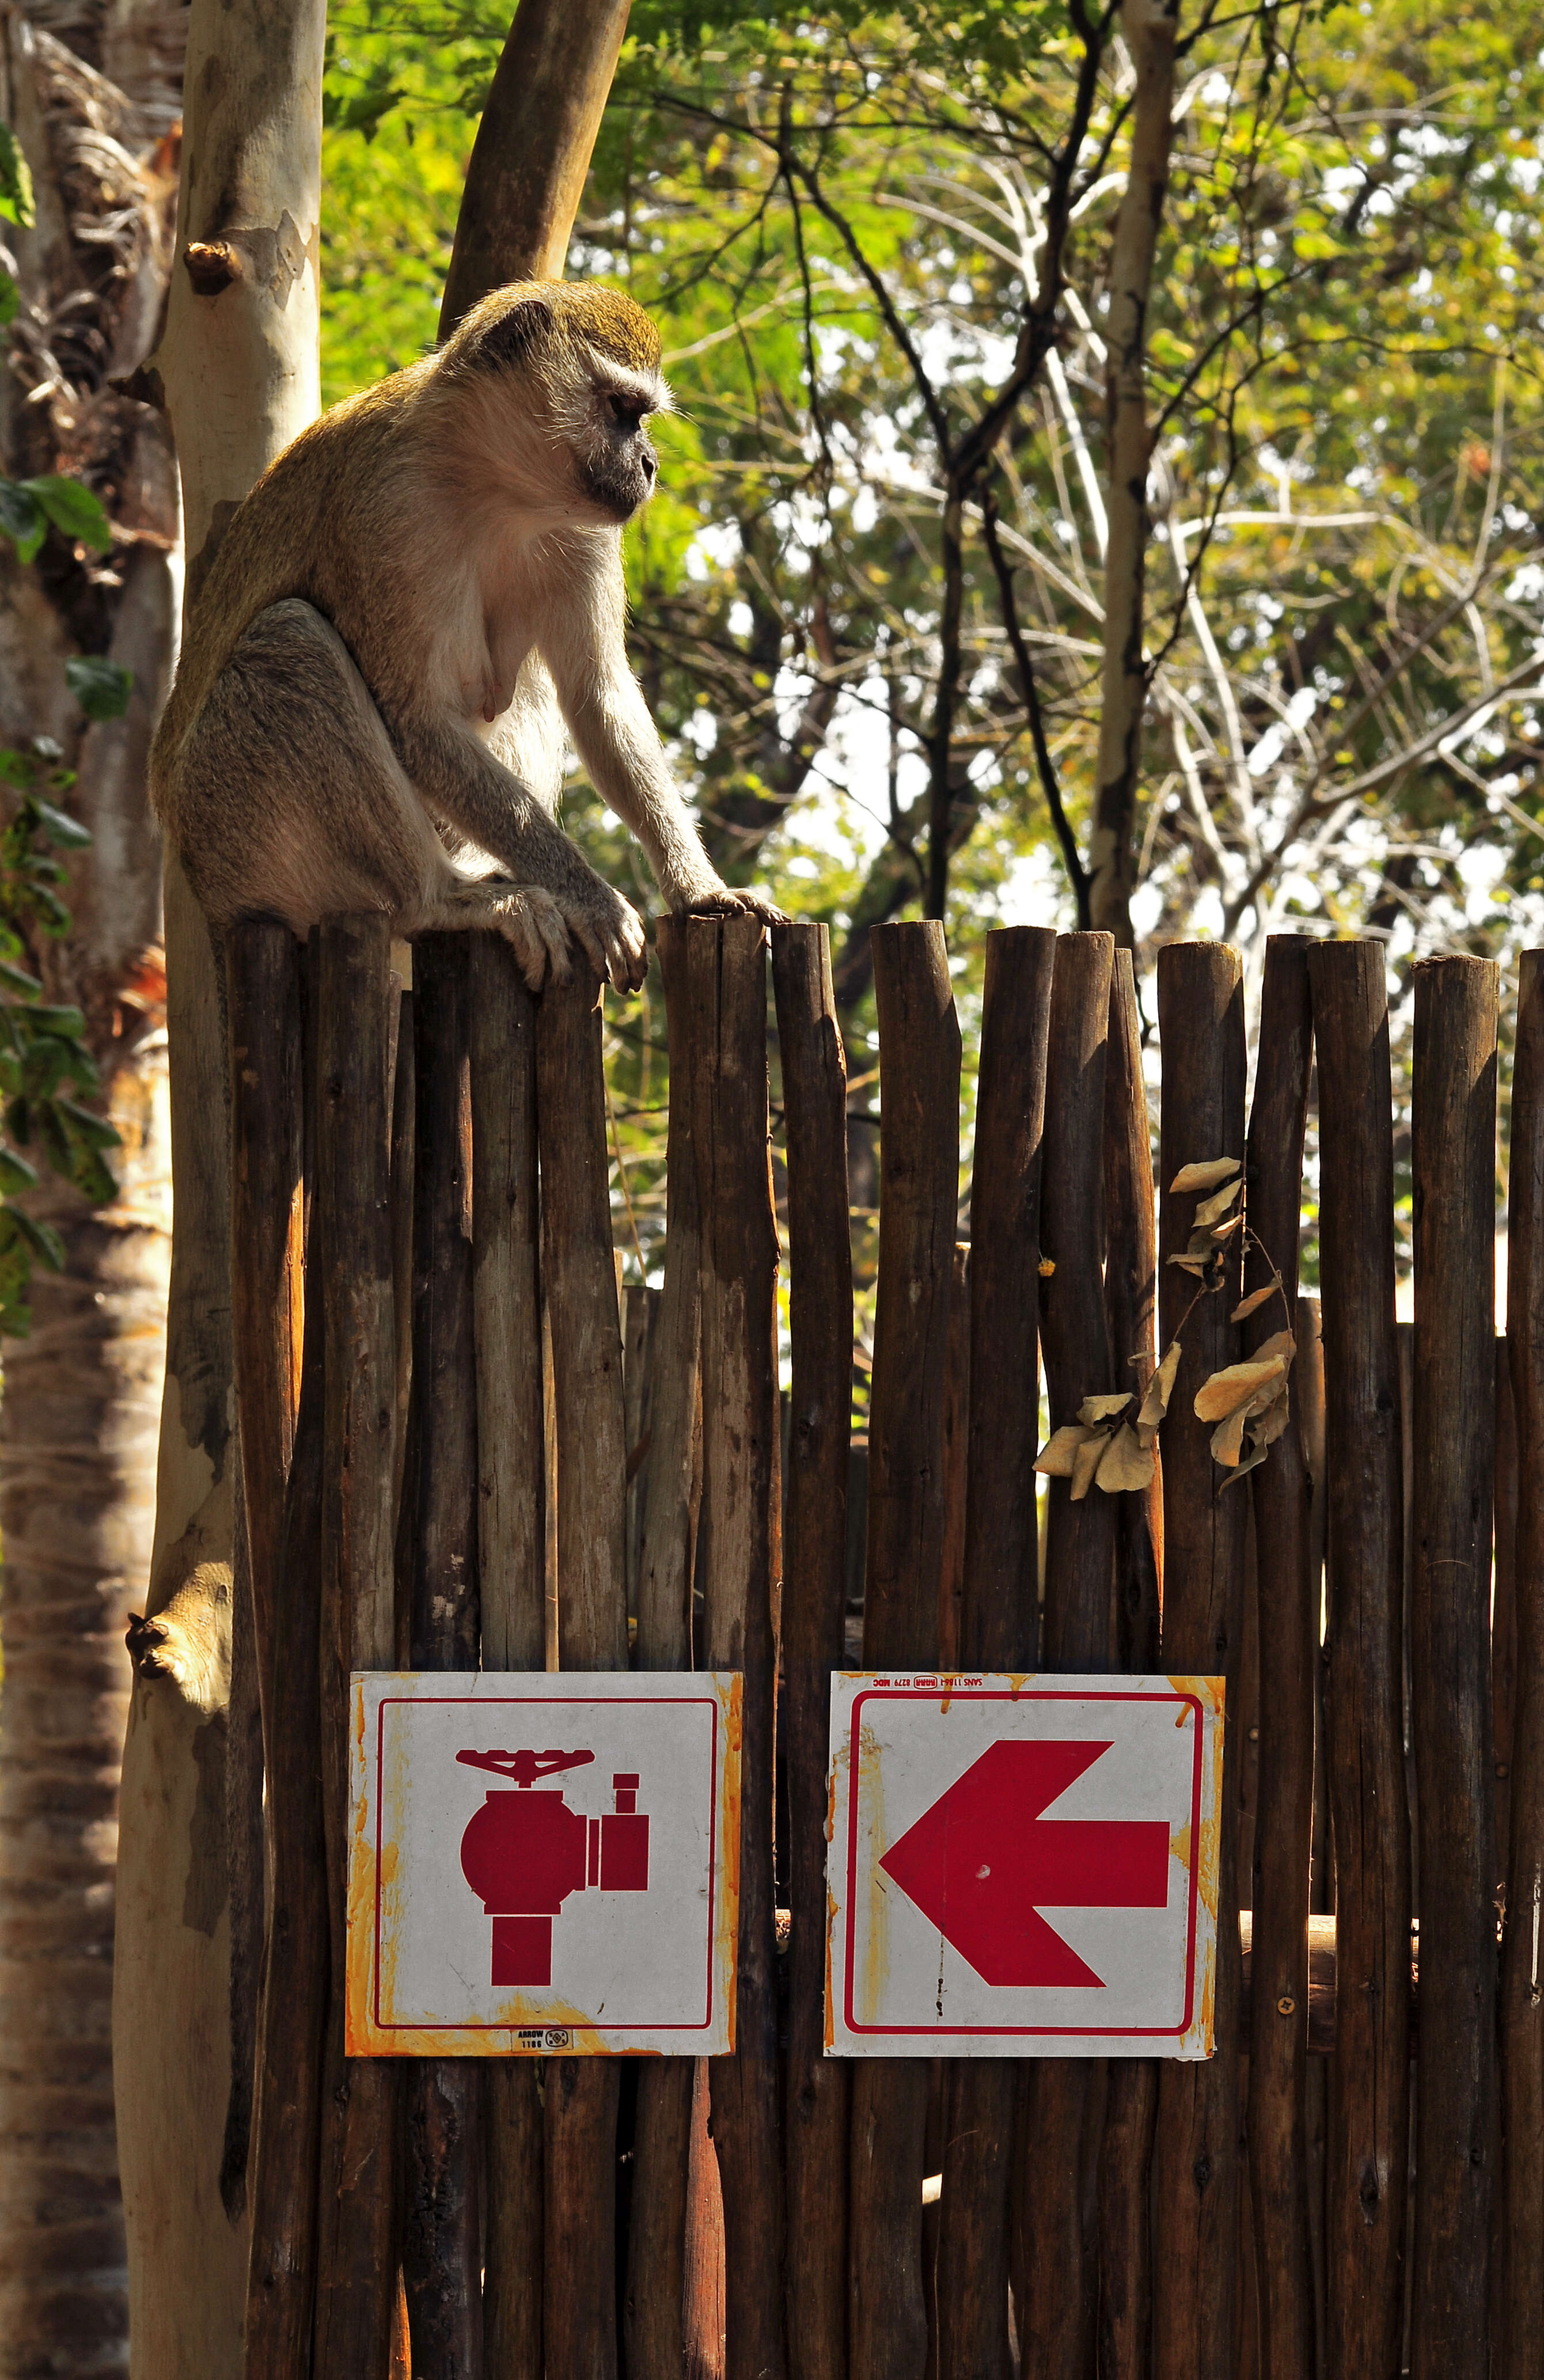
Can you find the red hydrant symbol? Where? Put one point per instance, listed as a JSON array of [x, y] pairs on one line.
[[523, 1854]]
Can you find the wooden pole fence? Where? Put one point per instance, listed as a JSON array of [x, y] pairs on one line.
[[422, 1201]]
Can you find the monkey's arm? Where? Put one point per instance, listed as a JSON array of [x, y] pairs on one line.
[[620, 746], [461, 781]]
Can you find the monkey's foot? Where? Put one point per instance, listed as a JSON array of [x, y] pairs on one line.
[[533, 926]]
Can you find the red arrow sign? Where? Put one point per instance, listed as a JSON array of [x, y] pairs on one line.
[[981, 1860]]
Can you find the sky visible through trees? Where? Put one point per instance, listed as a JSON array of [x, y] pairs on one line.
[[869, 603]]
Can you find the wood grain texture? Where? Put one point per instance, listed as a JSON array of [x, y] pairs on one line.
[[506, 1309], [440, 2208], [1196, 2161], [1369, 2113], [1057, 2320], [1453, 1158], [740, 1550], [267, 1271], [998, 1619], [357, 2277], [282, 2271], [511, 1543], [818, 2088], [1131, 1312], [920, 1079], [1521, 1990], [580, 1277], [1288, 1654], [654, 2303]]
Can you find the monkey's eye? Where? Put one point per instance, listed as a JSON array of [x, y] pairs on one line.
[[626, 412]]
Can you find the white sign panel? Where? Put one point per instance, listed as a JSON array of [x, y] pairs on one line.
[[1022, 1866], [543, 1864]]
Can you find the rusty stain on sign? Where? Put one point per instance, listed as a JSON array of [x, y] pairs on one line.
[[543, 1863]]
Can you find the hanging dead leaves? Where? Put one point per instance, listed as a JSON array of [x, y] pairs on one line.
[[1104, 1449], [1111, 1448]]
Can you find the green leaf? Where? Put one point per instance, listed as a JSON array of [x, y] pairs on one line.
[[67, 1022], [42, 1238], [59, 827], [11, 300], [54, 1139], [19, 1121], [93, 1177], [22, 518], [17, 979], [94, 1130], [16, 1174], [15, 768], [102, 689], [15, 179], [73, 509]]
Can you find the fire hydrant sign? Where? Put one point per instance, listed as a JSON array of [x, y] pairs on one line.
[[543, 1864], [1022, 1866]]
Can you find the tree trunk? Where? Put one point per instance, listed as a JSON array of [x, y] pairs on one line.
[[1149, 32], [238, 364], [77, 1422]]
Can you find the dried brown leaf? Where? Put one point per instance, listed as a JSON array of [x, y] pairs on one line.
[[1213, 1209], [1085, 1463], [1267, 1429], [1234, 1384], [1155, 1400], [1227, 1438], [1282, 1344], [1127, 1465], [1056, 1456], [1204, 1175], [1247, 1463], [1221, 1231], [1256, 1299], [1094, 1412], [1196, 1265]]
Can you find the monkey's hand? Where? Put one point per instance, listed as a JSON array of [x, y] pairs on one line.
[[731, 900]]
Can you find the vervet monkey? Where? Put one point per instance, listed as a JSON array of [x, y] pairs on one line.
[[413, 602]]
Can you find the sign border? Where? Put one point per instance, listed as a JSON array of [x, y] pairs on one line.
[[1205, 1696], [368, 2035]]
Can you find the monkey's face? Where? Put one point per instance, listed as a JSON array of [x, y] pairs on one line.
[[617, 465]]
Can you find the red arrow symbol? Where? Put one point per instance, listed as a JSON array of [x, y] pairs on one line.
[[981, 1860]]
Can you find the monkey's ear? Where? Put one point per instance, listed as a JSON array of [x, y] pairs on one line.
[[513, 335]]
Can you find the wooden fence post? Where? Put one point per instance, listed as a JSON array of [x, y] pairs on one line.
[[819, 2088], [1521, 2021], [740, 1556], [267, 1112], [655, 2302], [1454, 1136], [511, 1552], [919, 1074], [1131, 1306], [357, 2268], [999, 1619], [1065, 2105], [267, 1277], [1288, 1652], [1201, 1008], [442, 2215], [1369, 2078], [580, 1277]]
